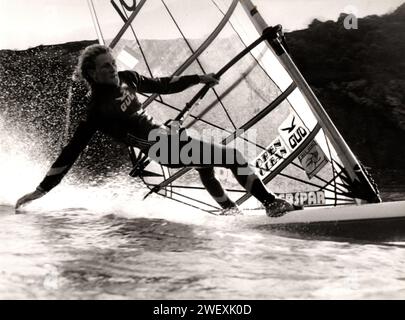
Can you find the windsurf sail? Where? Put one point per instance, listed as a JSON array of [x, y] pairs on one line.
[[263, 106]]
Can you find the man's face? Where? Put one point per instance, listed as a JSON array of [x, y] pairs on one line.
[[106, 70]]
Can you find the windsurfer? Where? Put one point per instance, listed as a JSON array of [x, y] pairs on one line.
[[115, 110]]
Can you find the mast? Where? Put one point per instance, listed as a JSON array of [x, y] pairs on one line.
[[351, 164], [95, 22]]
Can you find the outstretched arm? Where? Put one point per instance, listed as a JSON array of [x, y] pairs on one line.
[[165, 85], [63, 163]]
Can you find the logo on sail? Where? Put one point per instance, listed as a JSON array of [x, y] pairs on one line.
[[312, 159], [293, 131], [269, 159]]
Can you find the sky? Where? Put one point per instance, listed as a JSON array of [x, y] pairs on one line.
[[27, 23]]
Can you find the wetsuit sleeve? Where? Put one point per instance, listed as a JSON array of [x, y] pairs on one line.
[[164, 85], [68, 156]]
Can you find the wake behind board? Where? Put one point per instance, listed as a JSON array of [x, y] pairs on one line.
[[374, 222]]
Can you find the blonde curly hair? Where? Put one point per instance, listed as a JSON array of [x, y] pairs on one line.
[[87, 62]]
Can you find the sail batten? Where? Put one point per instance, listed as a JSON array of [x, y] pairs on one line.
[[95, 22]]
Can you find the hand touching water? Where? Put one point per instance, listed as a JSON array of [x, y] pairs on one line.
[[29, 197]]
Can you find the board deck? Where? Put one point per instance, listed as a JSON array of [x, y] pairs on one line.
[[376, 222]]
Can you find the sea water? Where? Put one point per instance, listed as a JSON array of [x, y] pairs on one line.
[[101, 241], [93, 243]]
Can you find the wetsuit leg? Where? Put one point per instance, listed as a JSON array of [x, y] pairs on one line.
[[247, 178], [254, 186], [227, 157], [217, 155], [214, 188], [200, 154]]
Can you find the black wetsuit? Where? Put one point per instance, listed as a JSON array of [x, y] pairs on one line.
[[117, 112]]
